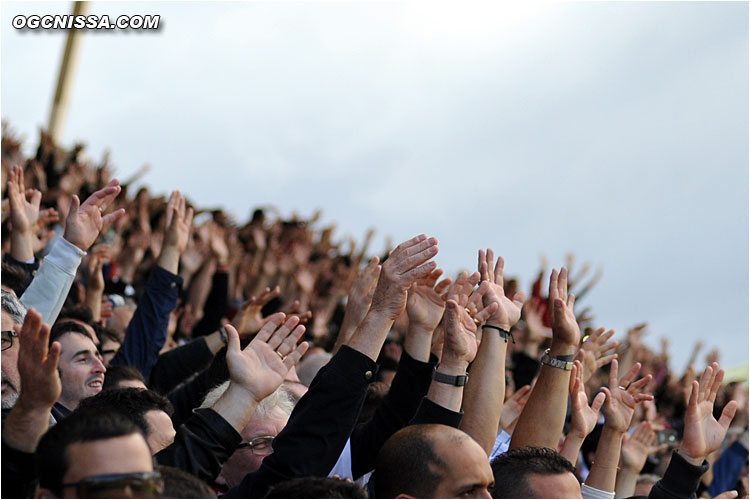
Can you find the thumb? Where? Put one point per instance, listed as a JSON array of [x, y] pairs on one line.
[[75, 204], [728, 414], [598, 401], [728, 494], [233, 340]]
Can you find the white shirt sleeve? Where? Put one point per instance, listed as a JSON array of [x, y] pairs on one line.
[[589, 492], [501, 445], [51, 284]]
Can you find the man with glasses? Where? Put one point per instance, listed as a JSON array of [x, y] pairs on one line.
[[96, 454], [13, 313]]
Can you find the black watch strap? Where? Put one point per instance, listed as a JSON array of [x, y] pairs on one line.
[[457, 380], [565, 357]]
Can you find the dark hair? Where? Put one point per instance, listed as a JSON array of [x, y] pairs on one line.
[[407, 463], [103, 333], [15, 277], [131, 402], [316, 487], [79, 312], [65, 327], [116, 374], [180, 484], [512, 469], [52, 460]]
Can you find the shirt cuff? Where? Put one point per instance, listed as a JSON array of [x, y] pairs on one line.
[[589, 492], [66, 256]]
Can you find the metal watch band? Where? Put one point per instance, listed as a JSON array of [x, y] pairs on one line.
[[556, 362], [457, 380]]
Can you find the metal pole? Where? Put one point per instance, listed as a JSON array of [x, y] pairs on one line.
[[61, 100]]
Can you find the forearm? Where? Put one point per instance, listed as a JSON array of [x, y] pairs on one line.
[[349, 324], [169, 259], [627, 479], [571, 447], [94, 302], [216, 304], [201, 286], [236, 406], [418, 343], [445, 394], [24, 427], [485, 391], [543, 417], [21, 245], [604, 471], [370, 335]]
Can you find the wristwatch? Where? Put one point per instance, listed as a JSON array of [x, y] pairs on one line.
[[457, 380], [562, 362]]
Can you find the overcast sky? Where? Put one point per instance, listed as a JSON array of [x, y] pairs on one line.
[[615, 131]]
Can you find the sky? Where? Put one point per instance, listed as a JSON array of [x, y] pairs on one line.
[[617, 132]]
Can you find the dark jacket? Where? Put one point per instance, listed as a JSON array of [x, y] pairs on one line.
[[680, 480]]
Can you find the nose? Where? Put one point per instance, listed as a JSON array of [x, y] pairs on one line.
[[98, 366]]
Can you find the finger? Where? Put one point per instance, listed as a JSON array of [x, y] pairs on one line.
[[432, 278], [269, 327], [613, 375], [487, 312], [290, 342], [282, 332], [420, 271], [715, 387], [443, 285], [571, 301], [295, 356], [606, 336], [521, 393], [705, 383], [639, 398], [53, 357], [189, 217], [499, 269], [693, 399], [110, 218], [562, 282], [75, 204], [728, 494], [607, 393], [472, 282], [643, 382], [641, 432], [482, 265], [626, 379], [727, 415], [598, 401], [233, 340], [572, 381], [519, 298], [452, 316], [604, 361], [553, 278], [103, 197], [36, 197], [408, 243], [608, 347]]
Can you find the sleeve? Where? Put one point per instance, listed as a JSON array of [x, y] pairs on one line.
[[728, 468], [410, 385], [216, 305], [680, 480], [176, 365], [190, 394], [49, 288], [147, 331], [589, 492], [433, 413], [502, 443], [18, 473], [319, 426], [201, 445]]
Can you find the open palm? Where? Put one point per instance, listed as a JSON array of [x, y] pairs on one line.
[[508, 311]]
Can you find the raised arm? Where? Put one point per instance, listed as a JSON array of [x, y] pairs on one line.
[[543, 417], [49, 288], [358, 303], [633, 456], [583, 417], [24, 211], [485, 392]]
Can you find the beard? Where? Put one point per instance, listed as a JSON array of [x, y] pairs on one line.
[[10, 393]]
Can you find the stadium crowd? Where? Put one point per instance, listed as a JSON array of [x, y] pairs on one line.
[[154, 349]]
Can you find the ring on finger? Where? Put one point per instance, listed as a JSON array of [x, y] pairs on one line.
[[622, 387], [280, 355]]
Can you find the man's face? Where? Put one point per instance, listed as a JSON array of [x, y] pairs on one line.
[[81, 369], [468, 473], [11, 379], [161, 431], [120, 455], [555, 485], [243, 460]]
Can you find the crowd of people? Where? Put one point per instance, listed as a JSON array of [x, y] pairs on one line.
[[153, 349]]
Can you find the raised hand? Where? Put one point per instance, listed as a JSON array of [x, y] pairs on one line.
[[593, 352], [261, 367], [583, 417], [623, 396], [24, 205], [179, 219], [460, 343], [565, 329], [361, 292], [406, 264], [636, 448], [37, 364], [425, 303], [513, 407], [703, 434], [250, 318], [533, 313], [85, 221], [508, 311]]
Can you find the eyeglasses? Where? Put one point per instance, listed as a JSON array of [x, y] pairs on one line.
[[7, 337], [260, 446], [133, 485]]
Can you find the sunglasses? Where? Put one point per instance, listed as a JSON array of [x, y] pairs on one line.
[[133, 485]]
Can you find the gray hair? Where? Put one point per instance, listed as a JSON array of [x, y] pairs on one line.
[[13, 306], [281, 398]]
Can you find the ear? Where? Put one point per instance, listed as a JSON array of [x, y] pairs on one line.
[[43, 493]]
